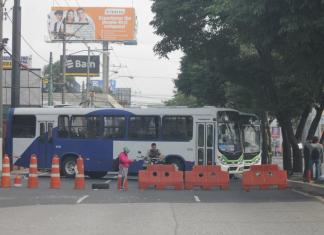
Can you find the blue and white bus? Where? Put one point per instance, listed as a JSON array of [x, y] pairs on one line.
[[251, 139], [185, 136]]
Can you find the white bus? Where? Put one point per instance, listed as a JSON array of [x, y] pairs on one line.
[[251, 139], [185, 136]]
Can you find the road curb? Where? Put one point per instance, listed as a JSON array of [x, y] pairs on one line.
[[315, 189]]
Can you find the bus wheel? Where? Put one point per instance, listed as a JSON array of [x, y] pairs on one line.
[[96, 174], [68, 165], [177, 163]]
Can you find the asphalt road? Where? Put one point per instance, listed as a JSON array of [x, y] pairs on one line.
[[69, 211]]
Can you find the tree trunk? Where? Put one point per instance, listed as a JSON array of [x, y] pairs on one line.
[[265, 138], [287, 164], [315, 122], [297, 156], [322, 138], [286, 124], [302, 123]]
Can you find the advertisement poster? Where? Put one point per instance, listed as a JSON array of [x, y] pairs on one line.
[[75, 24]]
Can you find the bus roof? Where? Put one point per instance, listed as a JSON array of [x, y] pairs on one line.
[[147, 111]]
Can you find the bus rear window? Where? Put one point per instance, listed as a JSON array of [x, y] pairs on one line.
[[177, 128], [144, 127], [24, 126]]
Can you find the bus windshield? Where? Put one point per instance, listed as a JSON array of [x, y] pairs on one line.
[[229, 137], [251, 139]]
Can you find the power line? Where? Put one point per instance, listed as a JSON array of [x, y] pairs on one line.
[[28, 44], [128, 70], [67, 3], [147, 59], [22, 65], [77, 2], [56, 3]]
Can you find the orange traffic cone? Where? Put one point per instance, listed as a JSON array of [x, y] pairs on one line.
[[119, 181], [79, 182], [18, 181], [33, 175], [55, 173], [5, 180]]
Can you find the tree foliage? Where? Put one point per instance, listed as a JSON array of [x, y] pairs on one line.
[[71, 84], [264, 55]]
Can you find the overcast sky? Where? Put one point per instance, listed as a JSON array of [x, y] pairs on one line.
[[153, 77]]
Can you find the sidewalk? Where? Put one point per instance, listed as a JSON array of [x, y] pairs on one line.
[[297, 182]]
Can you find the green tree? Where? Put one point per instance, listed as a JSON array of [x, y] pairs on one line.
[[180, 99], [71, 84], [269, 50]]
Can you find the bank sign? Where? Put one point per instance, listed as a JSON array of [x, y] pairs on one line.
[[76, 65]]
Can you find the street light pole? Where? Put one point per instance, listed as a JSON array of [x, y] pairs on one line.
[[50, 82], [88, 74], [64, 62], [105, 66]]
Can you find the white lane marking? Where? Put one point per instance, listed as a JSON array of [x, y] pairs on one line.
[[81, 199], [196, 198], [319, 198], [107, 182]]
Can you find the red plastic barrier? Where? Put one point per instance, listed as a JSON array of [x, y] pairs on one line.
[[160, 176], [206, 177], [264, 176]]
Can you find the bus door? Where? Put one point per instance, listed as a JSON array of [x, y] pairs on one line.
[[205, 144], [45, 143]]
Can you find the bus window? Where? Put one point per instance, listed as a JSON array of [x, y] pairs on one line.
[[177, 128], [114, 127], [24, 126], [78, 127], [93, 127], [144, 127], [42, 131], [63, 126]]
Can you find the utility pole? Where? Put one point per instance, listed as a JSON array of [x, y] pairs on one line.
[[1, 79], [64, 62], [88, 74], [50, 81], [105, 67], [16, 47]]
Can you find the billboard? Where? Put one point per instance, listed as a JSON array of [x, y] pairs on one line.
[[99, 83], [114, 24], [76, 65], [25, 61], [30, 88]]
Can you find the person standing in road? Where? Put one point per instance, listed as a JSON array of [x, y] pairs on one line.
[[316, 156], [124, 163]]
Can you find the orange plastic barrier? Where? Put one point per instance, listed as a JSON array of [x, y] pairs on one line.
[[5, 179], [79, 182], [18, 181], [206, 177], [264, 176], [160, 176], [55, 173], [33, 174]]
